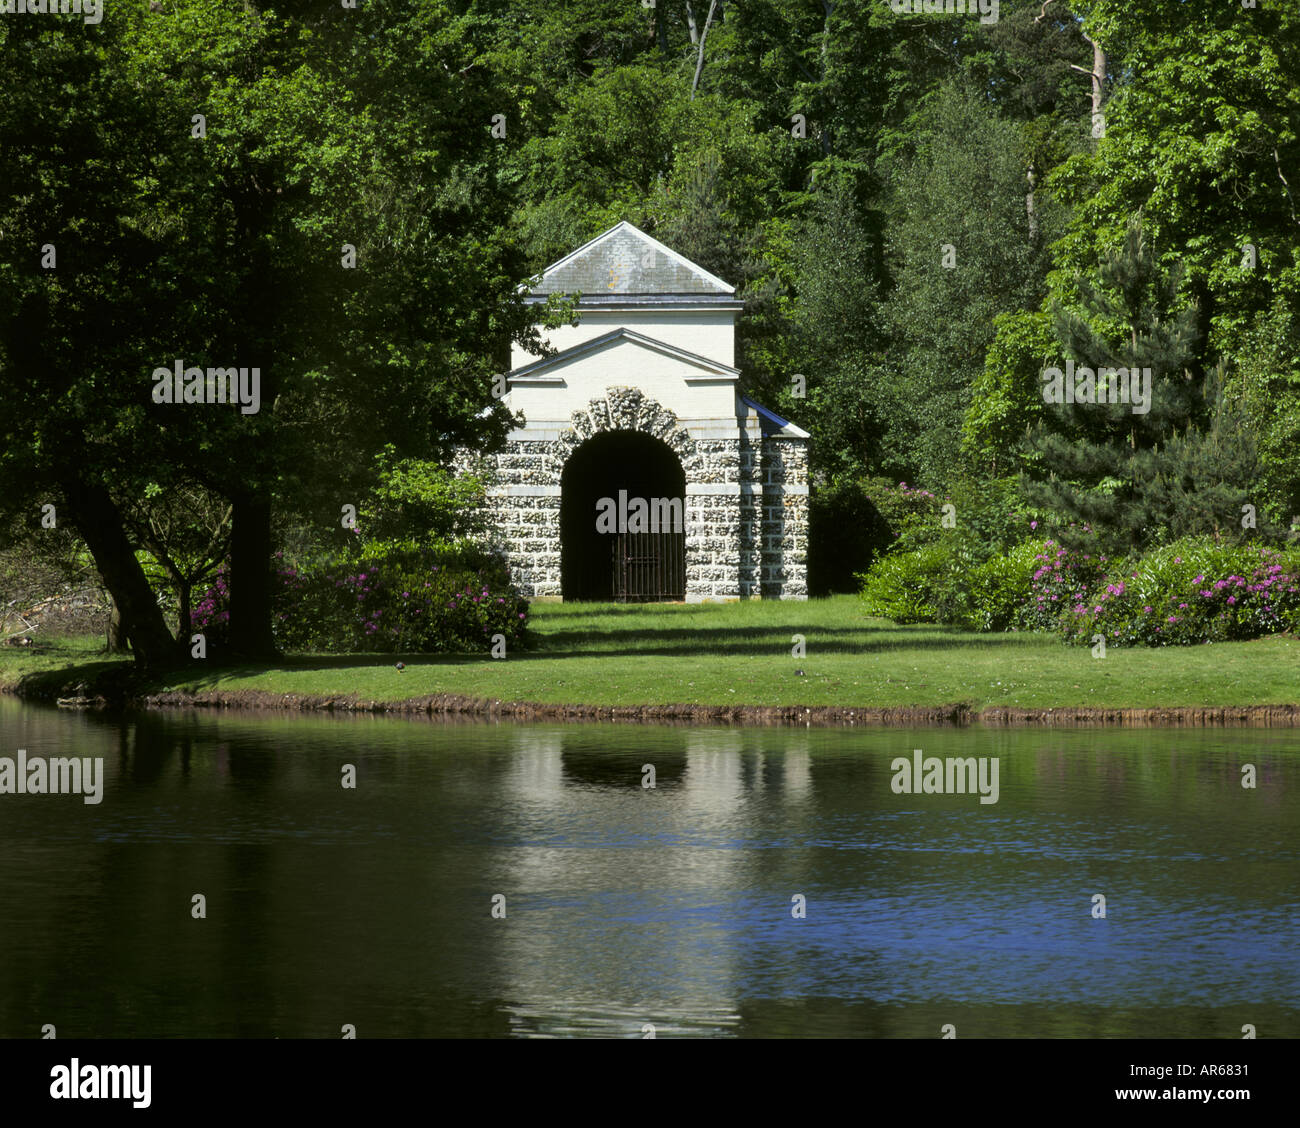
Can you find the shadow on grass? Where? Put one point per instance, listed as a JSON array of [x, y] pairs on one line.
[[115, 678], [718, 643], [78, 678], [768, 641]]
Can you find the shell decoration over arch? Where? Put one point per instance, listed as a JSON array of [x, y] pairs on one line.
[[626, 409]]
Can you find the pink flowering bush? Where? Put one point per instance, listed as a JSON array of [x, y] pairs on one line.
[[909, 513], [1060, 580], [210, 615], [1192, 591], [397, 601]]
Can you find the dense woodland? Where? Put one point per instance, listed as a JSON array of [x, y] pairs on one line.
[[921, 213]]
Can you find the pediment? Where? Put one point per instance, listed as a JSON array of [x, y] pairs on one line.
[[550, 370]]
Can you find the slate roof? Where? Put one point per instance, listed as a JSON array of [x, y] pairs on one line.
[[623, 266], [773, 424]]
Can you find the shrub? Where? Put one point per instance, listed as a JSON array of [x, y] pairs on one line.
[[1026, 588], [1060, 581], [1192, 591], [901, 586], [393, 599], [911, 516], [948, 583], [1003, 587]]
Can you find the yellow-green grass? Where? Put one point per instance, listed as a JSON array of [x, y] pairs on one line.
[[741, 653]]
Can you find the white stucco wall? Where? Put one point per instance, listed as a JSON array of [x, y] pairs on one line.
[[625, 363], [709, 333]]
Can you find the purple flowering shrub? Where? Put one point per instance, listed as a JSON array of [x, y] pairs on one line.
[[407, 600], [910, 514], [1061, 580], [1192, 591], [210, 614]]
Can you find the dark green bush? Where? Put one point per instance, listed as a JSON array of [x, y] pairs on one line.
[[395, 598]]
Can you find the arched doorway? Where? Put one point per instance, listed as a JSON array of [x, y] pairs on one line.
[[636, 552]]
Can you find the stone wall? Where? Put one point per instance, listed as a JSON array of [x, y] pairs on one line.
[[746, 500], [523, 513], [785, 518]]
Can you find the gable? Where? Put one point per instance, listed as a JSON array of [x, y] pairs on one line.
[[692, 365], [689, 385]]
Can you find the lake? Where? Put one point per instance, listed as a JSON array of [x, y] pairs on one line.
[[519, 880]]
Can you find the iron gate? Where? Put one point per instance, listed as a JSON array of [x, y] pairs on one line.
[[649, 567]]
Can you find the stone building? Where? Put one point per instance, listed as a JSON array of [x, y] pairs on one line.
[[641, 472]]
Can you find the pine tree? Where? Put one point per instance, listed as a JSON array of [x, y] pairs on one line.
[[1131, 477]]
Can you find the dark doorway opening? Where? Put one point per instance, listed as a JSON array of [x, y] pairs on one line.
[[627, 566]]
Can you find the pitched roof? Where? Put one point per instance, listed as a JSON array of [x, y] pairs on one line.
[[624, 263], [773, 424]]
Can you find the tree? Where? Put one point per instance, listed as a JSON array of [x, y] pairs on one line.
[[961, 253], [1149, 454], [227, 242]]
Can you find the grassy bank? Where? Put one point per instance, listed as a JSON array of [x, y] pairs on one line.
[[740, 654]]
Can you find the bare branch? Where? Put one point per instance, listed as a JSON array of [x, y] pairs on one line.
[[1290, 199], [699, 62]]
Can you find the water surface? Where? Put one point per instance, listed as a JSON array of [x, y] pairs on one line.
[[627, 906]]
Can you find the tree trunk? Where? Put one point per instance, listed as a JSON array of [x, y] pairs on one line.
[[98, 520], [185, 623], [250, 579], [699, 62], [1030, 214], [1098, 88], [116, 640]]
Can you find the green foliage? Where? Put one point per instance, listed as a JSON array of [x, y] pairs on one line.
[[1191, 591], [419, 503], [1185, 465], [1001, 589], [1265, 386], [1201, 137], [1006, 398], [964, 189], [903, 586], [947, 582], [911, 515], [393, 598]]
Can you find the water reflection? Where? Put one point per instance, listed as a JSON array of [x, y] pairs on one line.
[[628, 905]]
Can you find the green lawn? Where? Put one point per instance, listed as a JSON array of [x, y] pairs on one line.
[[740, 653]]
